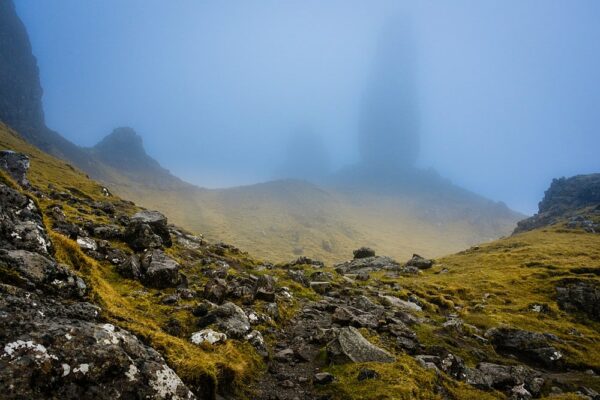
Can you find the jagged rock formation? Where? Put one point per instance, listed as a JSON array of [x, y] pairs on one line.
[[565, 199], [123, 150], [389, 131]]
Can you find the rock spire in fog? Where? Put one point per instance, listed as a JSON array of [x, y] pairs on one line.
[[389, 126]]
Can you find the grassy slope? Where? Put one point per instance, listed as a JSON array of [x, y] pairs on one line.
[[283, 219], [487, 286]]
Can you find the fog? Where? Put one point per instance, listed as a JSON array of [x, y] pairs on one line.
[[499, 97]]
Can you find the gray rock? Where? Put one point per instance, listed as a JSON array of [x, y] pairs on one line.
[[159, 270], [158, 223], [215, 290], [21, 225], [131, 268], [525, 345], [232, 320], [350, 346], [368, 264], [419, 262], [16, 165], [323, 378], [140, 236]]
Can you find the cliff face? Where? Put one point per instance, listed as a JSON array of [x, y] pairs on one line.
[[576, 198], [20, 89]]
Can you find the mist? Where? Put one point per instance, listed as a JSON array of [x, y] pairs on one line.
[[498, 97]]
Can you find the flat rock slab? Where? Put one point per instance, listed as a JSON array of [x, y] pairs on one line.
[[350, 346]]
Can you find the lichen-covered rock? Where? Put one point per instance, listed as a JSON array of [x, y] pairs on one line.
[[21, 225], [208, 336], [16, 165], [350, 346]]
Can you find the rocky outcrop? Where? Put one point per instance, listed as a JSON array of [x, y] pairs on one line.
[[21, 225], [563, 200], [16, 165], [53, 342]]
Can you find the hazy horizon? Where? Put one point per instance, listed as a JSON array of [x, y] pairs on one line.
[[505, 94]]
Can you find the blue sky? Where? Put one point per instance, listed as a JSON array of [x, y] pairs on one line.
[[508, 91]]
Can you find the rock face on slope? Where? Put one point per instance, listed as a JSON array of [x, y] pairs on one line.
[[54, 343], [563, 200]]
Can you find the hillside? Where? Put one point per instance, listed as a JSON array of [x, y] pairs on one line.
[[280, 220], [517, 317]]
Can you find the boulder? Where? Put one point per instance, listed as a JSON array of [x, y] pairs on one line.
[[526, 345], [140, 236], [16, 165], [363, 252], [367, 264], [159, 270], [131, 268], [255, 338], [580, 296], [419, 262], [156, 221], [232, 320], [350, 346]]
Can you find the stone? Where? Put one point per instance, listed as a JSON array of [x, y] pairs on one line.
[[208, 336], [285, 355], [159, 270], [350, 346], [16, 165], [525, 345], [323, 378], [363, 252], [255, 338], [367, 264], [299, 277], [21, 225], [86, 243], [393, 301], [156, 221], [140, 237], [232, 320], [419, 262], [131, 268], [215, 290]]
